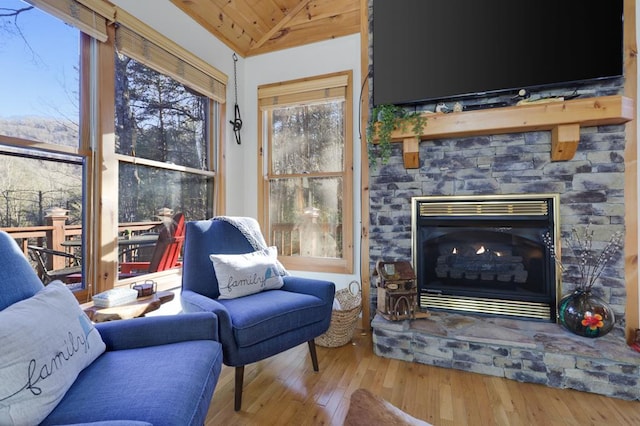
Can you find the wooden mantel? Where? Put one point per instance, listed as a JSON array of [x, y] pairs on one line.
[[563, 119]]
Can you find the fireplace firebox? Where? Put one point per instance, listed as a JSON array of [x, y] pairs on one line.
[[486, 254]]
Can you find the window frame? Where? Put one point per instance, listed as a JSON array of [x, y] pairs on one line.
[[82, 151], [111, 160], [299, 92], [96, 24]]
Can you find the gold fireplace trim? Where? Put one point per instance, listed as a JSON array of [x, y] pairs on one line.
[[480, 305], [485, 208], [488, 205]]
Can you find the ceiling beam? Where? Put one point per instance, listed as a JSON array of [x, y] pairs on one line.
[[284, 21]]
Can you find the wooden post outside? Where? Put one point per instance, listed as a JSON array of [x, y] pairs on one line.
[[56, 217]]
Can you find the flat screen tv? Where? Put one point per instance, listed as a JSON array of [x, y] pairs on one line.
[[427, 50]]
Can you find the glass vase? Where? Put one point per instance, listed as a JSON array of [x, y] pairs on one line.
[[586, 315]]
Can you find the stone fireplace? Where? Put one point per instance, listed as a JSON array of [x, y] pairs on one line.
[[486, 254], [590, 188], [458, 162]]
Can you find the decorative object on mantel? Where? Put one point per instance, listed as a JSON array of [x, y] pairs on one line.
[[442, 107], [383, 121], [397, 291], [530, 101], [582, 312]]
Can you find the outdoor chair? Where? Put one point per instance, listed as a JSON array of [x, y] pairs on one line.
[[69, 274], [166, 253], [255, 326]]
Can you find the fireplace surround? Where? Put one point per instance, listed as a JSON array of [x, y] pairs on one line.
[[590, 188], [486, 254]]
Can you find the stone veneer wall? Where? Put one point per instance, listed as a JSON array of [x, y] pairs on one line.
[[591, 188]]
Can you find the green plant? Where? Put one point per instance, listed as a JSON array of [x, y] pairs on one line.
[[383, 121]]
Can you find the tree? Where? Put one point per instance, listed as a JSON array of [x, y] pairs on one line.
[[160, 119]]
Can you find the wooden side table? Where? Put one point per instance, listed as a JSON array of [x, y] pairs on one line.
[[137, 308]]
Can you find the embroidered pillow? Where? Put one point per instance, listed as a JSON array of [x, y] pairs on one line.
[[243, 274], [47, 340]]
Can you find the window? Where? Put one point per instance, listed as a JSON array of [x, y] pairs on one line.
[[306, 183], [101, 120], [160, 120], [164, 130], [42, 180]]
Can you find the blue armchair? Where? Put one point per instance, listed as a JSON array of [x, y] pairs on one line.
[[157, 370], [256, 326]]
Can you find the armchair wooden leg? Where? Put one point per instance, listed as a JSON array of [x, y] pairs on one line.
[[314, 356], [239, 380]]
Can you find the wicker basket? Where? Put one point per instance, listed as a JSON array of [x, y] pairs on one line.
[[343, 320]]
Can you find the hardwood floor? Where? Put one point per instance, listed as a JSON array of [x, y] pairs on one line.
[[284, 390]]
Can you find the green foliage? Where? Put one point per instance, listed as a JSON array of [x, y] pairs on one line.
[[383, 121]]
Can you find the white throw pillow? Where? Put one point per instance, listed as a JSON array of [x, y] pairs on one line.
[[47, 340], [243, 274]]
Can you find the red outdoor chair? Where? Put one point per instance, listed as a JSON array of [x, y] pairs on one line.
[[165, 254]]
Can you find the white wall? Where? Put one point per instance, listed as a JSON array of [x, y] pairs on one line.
[[336, 55], [325, 57]]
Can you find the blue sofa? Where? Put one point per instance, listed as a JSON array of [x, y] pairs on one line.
[[156, 370]]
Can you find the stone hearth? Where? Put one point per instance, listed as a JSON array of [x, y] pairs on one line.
[[526, 351]]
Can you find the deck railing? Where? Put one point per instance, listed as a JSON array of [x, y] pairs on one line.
[[286, 236], [56, 231], [289, 237]]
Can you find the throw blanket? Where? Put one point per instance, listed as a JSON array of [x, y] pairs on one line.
[[250, 228]]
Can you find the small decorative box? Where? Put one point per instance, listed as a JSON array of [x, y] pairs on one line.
[[397, 291], [115, 297], [146, 288]]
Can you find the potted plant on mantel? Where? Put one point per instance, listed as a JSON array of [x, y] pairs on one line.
[[383, 121]]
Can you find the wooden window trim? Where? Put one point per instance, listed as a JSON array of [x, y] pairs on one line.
[[97, 141], [330, 86], [145, 45], [75, 14]]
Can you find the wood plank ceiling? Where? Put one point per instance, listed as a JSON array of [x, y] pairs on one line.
[[252, 27]]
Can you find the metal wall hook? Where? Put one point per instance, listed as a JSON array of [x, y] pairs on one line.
[[236, 123]]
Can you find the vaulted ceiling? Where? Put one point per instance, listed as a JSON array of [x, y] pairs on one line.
[[252, 27]]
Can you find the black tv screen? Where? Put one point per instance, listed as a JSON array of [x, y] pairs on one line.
[[426, 50]]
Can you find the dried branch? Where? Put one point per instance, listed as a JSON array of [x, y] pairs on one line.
[[15, 13]]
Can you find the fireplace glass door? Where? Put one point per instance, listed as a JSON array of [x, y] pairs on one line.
[[485, 259]]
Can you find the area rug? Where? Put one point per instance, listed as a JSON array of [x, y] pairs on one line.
[[367, 409]]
